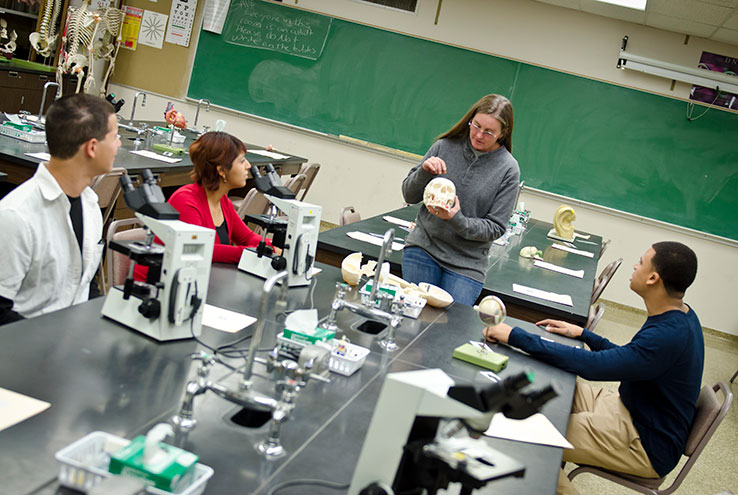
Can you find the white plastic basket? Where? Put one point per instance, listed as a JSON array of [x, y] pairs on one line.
[[349, 362], [84, 463], [344, 364]]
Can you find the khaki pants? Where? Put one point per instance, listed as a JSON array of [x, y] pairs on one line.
[[602, 433]]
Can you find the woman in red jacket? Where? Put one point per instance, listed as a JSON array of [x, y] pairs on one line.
[[220, 164]]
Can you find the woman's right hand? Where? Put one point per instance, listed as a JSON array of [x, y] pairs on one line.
[[561, 327], [434, 165]]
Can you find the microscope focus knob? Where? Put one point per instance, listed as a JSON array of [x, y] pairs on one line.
[[150, 308], [279, 263]]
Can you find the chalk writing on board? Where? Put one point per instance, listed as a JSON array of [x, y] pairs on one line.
[[257, 24]]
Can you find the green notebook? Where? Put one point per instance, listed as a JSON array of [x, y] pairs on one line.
[[481, 357]]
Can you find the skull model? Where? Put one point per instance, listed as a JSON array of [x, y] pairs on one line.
[[440, 193]]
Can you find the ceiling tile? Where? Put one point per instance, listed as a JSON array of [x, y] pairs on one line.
[[609, 10], [693, 10], [726, 36], [732, 22], [679, 25]]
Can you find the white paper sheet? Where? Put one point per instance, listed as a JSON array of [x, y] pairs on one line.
[[269, 154], [214, 16], [560, 269], [542, 294], [363, 236], [572, 250], [153, 27], [398, 221], [536, 429], [225, 320], [156, 156], [15, 407], [41, 156]]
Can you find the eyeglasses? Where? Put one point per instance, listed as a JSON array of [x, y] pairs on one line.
[[479, 128]]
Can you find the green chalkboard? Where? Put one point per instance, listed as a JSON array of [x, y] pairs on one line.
[[609, 145]]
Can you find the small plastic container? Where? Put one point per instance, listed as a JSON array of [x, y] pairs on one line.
[[84, 463], [346, 358]]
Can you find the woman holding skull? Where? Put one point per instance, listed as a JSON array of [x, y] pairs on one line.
[[448, 246]]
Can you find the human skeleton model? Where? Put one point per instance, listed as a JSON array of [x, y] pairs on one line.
[[8, 48], [81, 46], [352, 270], [43, 40]]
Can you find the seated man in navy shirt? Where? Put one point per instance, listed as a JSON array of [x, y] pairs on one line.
[[642, 430]]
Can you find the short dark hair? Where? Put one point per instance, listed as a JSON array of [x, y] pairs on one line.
[[210, 150], [676, 264], [73, 120]]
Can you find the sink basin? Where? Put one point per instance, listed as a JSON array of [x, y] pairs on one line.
[[251, 417]]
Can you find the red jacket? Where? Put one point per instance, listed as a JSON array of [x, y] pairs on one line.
[[192, 204]]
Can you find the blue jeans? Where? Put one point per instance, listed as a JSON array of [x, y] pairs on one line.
[[418, 266]]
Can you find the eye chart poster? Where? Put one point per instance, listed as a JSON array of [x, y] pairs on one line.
[[181, 18], [153, 26]]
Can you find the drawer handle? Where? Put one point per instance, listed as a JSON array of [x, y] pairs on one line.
[[13, 74], [43, 78]]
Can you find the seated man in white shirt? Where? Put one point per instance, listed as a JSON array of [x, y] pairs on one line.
[[51, 224]]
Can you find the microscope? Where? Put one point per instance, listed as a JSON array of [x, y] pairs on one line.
[[425, 433], [297, 236], [169, 304]]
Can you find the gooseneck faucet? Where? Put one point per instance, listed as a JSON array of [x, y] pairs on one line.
[[43, 97], [256, 338], [133, 108], [197, 114]]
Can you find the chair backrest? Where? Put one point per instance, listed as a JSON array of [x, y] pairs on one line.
[[710, 413], [310, 170], [348, 215], [295, 183], [604, 278], [595, 315], [107, 187], [255, 203], [118, 263]]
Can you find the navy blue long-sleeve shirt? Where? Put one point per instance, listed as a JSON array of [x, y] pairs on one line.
[[660, 371]]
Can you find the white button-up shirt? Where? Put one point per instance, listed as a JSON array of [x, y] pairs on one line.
[[41, 268]]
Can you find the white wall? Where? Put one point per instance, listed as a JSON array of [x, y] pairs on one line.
[[542, 34]]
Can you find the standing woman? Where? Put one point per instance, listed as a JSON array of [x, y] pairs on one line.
[[449, 248]]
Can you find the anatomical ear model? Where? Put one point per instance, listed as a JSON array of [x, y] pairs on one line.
[[43, 40], [89, 36], [562, 221], [440, 193], [352, 271]]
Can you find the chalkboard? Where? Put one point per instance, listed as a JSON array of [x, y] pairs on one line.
[[609, 145]]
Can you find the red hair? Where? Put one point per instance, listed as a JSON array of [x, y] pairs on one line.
[[209, 151]]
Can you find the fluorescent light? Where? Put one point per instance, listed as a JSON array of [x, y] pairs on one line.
[[631, 4], [699, 77]]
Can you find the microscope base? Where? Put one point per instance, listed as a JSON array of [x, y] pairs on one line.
[[125, 311], [262, 267]]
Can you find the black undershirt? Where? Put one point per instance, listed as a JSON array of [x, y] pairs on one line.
[[75, 214], [222, 231]]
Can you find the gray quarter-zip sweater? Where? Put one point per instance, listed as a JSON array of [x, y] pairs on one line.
[[486, 186]]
